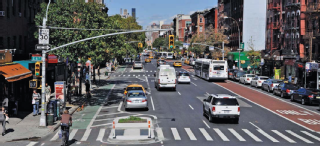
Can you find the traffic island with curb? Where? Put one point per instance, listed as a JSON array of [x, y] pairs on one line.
[[142, 132]]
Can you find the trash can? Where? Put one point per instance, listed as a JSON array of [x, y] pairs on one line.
[[50, 120], [50, 108], [53, 111]]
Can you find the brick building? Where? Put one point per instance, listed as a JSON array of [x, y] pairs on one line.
[[197, 22], [211, 18], [180, 24]]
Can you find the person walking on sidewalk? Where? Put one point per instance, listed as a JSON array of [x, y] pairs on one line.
[[5, 104], [87, 84], [66, 123], [35, 102], [3, 120], [73, 78], [48, 92], [290, 78]]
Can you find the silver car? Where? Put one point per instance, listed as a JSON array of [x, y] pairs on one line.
[[269, 84], [137, 64], [136, 99]]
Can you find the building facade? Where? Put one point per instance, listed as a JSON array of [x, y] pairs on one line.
[[180, 25], [211, 18], [198, 22]]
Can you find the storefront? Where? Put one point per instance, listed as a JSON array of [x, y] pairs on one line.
[[233, 58], [289, 68]]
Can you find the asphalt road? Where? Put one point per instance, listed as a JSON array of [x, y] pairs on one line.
[[179, 116]]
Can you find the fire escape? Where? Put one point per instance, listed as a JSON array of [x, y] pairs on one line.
[[312, 34], [274, 25]]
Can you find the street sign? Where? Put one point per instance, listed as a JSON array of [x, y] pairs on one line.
[[33, 83], [40, 47], [44, 36], [242, 45]]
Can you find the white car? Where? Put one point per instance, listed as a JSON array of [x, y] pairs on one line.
[[183, 77], [137, 64], [246, 79], [257, 81], [221, 106]]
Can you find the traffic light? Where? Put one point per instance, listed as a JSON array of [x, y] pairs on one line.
[[140, 45], [37, 68], [171, 41]]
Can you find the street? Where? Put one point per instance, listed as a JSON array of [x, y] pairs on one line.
[[179, 119]]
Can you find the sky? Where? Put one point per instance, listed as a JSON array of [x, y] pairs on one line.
[[153, 11]]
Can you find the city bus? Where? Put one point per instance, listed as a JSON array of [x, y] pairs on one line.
[[211, 69]]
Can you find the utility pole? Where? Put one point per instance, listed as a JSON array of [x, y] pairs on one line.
[[222, 50]]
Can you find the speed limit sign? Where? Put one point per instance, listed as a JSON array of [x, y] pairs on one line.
[[44, 36]]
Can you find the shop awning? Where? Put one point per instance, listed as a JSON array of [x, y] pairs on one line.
[[14, 72]]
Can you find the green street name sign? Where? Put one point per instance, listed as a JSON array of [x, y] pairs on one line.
[[242, 45]]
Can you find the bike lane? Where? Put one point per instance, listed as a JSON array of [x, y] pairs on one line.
[[298, 115]]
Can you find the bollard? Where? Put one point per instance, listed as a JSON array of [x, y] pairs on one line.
[[149, 130], [114, 128]]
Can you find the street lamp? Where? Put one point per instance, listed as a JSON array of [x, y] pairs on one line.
[[226, 17]]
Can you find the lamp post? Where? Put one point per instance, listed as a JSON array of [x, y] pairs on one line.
[[225, 17]]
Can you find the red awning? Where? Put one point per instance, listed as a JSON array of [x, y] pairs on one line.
[[14, 72]]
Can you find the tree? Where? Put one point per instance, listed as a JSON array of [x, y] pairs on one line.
[[253, 55]]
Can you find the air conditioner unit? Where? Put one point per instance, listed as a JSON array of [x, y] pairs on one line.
[[20, 14], [2, 13]]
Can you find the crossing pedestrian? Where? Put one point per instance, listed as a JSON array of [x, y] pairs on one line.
[[3, 120], [35, 102], [48, 92], [290, 78], [5, 104]]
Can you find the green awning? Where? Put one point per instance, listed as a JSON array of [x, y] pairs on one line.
[[243, 55]]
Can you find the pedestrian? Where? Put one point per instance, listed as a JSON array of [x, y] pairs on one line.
[[5, 105], [3, 120], [48, 92], [35, 102], [290, 78], [73, 78], [87, 84], [234, 66]]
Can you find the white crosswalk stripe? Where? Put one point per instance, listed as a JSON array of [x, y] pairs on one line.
[[267, 135], [190, 134], [32, 143], [309, 134], [252, 135], [175, 134], [101, 134], [298, 136], [222, 136], [236, 134], [283, 136], [73, 133], [86, 135], [205, 134], [55, 137]]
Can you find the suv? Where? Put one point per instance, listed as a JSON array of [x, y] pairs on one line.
[[221, 106]]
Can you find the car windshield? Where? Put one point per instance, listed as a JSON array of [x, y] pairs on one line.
[[184, 74], [276, 81], [225, 101], [169, 54], [137, 62], [168, 72], [218, 68], [136, 94], [134, 88], [291, 86]]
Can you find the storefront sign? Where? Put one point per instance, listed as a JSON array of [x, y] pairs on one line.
[[60, 90], [312, 66], [277, 73], [289, 62], [52, 59], [36, 57]]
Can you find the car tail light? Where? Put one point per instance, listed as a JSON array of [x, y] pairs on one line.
[[238, 109], [271, 85], [310, 96], [288, 91], [159, 81], [175, 81], [128, 100], [144, 100], [248, 79], [210, 69], [213, 109], [259, 81]]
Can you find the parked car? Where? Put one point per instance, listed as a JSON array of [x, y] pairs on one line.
[[284, 89], [234, 74], [238, 74], [246, 78], [257, 81], [306, 96], [183, 77], [137, 64], [136, 99], [269, 84], [221, 106]]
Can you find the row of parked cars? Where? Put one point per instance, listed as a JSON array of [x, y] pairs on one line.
[[280, 88]]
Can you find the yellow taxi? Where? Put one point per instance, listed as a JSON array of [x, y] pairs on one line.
[[177, 64], [147, 60], [134, 87], [150, 57], [187, 61]]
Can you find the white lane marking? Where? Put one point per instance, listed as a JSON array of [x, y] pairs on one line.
[[309, 134], [265, 108], [129, 75], [109, 107], [191, 107], [236, 134], [124, 75], [190, 134], [207, 93], [86, 135], [179, 93], [120, 105], [72, 134], [146, 71], [101, 134], [252, 135], [298, 136], [193, 83], [254, 125], [206, 124], [78, 142], [134, 75], [55, 137], [267, 135], [42, 144], [205, 134], [283, 136], [222, 136], [144, 75], [152, 103], [138, 75], [160, 133], [32, 143], [175, 134]]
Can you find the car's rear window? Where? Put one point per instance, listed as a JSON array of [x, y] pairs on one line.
[[276, 81], [136, 94], [225, 101], [137, 62], [241, 73], [291, 86], [218, 68], [264, 78], [251, 75], [168, 72], [134, 88], [170, 54], [184, 74]]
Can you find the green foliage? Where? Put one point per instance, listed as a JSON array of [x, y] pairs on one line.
[[254, 56], [88, 16], [132, 119]]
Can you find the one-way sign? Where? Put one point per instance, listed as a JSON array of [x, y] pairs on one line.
[[40, 47]]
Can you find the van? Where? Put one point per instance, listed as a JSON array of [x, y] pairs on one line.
[[165, 77]]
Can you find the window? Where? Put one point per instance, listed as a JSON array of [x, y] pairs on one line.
[[20, 5], [201, 20], [209, 98], [1, 43], [225, 101], [200, 28], [218, 68], [183, 74], [13, 7]]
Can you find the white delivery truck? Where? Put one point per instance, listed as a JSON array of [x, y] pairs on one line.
[[165, 77]]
